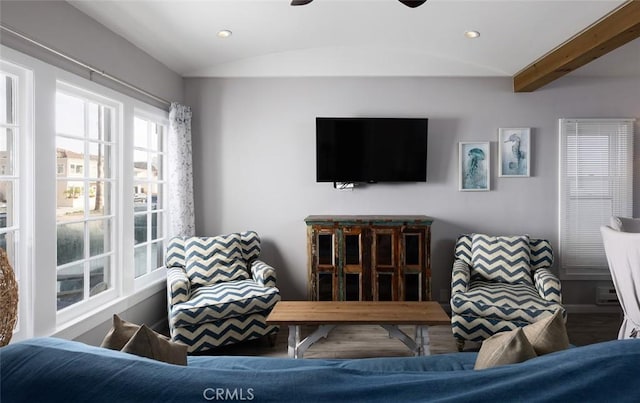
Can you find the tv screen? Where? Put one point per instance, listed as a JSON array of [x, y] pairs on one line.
[[371, 149]]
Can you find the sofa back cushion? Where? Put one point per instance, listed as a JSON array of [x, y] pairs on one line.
[[504, 259], [541, 251], [211, 260]]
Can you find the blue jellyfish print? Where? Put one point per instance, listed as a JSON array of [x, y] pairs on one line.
[[514, 164], [475, 177]]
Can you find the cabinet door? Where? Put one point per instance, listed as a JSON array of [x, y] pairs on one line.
[[324, 266], [412, 261], [351, 264], [384, 264]]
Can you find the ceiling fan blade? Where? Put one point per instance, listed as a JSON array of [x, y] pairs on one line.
[[300, 2], [413, 3]]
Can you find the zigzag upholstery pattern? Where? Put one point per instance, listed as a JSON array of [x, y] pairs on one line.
[[263, 274], [460, 277], [175, 253], [208, 316], [178, 286], [212, 260], [501, 258], [206, 336], [224, 300], [548, 285], [481, 308]]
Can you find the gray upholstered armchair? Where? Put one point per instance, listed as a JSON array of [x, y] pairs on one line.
[[218, 292], [500, 283]]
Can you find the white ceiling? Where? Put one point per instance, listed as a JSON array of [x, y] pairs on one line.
[[356, 37]]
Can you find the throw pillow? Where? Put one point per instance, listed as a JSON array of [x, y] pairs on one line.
[[147, 343], [213, 260], [120, 333], [504, 259], [504, 348], [548, 335]]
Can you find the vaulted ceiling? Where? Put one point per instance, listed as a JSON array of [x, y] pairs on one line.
[[364, 38]]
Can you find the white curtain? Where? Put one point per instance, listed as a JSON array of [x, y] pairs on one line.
[[180, 172]]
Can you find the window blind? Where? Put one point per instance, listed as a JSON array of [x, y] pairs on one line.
[[596, 182]]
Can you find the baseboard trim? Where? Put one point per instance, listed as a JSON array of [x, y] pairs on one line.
[[592, 308]]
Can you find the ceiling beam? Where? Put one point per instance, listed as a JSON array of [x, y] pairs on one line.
[[612, 31]]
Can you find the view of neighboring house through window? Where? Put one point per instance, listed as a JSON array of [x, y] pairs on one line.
[[148, 187], [85, 214]]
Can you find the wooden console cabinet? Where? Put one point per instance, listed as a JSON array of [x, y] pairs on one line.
[[369, 258]]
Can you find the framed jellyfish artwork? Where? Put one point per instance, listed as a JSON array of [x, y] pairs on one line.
[[474, 166], [514, 151]]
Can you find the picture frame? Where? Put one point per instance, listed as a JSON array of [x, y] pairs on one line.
[[474, 166], [514, 152]]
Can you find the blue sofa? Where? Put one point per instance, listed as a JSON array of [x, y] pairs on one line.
[[51, 370]]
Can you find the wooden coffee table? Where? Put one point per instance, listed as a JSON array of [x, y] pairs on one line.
[[329, 314]]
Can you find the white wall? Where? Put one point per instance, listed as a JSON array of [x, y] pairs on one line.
[[254, 159]]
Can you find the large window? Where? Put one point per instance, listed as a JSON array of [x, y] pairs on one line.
[[85, 213], [14, 112], [81, 197], [596, 182], [148, 182]]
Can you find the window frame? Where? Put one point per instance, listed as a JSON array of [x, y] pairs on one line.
[[39, 244], [23, 174], [153, 274], [569, 188], [88, 302]]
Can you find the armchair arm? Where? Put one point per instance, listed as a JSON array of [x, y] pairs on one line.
[[263, 274], [548, 285], [178, 285], [460, 276]]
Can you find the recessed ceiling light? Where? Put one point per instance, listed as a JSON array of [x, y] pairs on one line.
[[472, 34], [225, 33]]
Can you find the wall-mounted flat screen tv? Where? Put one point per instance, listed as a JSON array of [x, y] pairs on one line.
[[371, 149]]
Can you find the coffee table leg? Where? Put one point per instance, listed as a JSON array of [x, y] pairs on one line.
[[422, 340], [294, 340]]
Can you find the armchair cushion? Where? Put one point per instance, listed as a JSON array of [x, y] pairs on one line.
[[548, 285], [517, 303], [212, 260], [504, 259], [223, 300]]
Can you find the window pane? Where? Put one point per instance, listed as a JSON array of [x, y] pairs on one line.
[[93, 119], [156, 166], [69, 115], [156, 226], [156, 137], [70, 285], [7, 99], [140, 260], [6, 204], [70, 203], [157, 260], [7, 151], [156, 201], [70, 242], [99, 276], [8, 242], [98, 237], [140, 136], [99, 197], [97, 157], [140, 230]]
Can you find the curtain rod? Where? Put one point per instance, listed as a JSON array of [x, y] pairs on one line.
[[84, 65]]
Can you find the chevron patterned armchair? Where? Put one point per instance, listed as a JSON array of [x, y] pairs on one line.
[[218, 292], [501, 283]]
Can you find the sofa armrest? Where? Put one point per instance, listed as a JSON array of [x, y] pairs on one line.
[[178, 286], [460, 276], [263, 274], [548, 285]]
